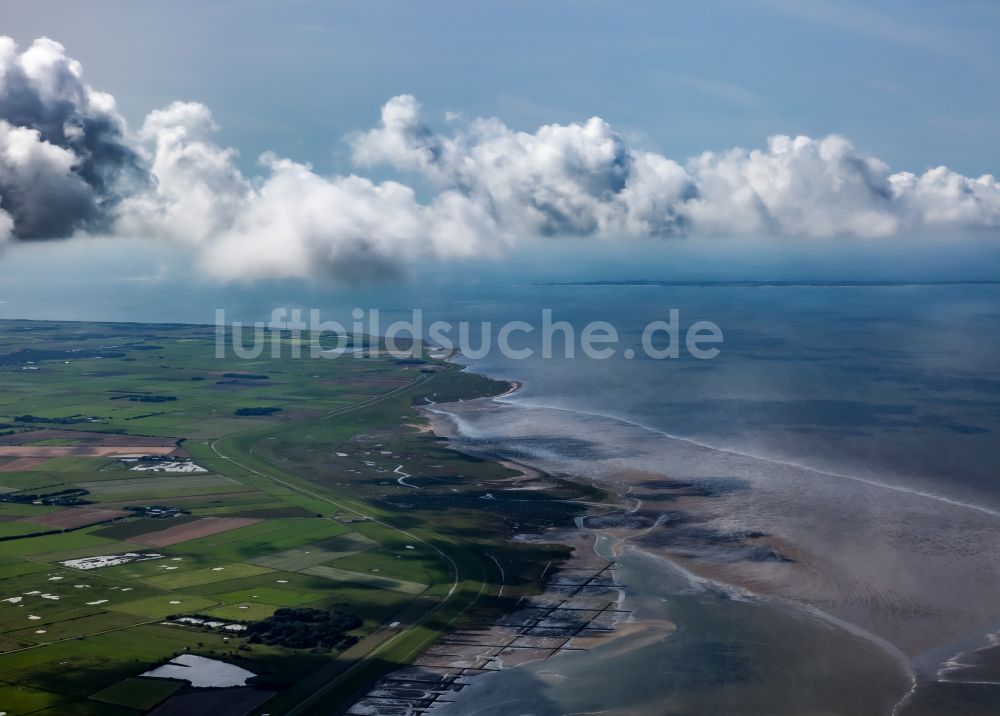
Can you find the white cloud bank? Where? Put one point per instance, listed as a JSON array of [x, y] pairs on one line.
[[583, 179], [69, 165], [290, 222]]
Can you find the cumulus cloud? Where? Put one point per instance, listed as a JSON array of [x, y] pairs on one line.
[[559, 180], [198, 192], [6, 227], [301, 224], [40, 193], [584, 179], [290, 221], [69, 165], [65, 162]]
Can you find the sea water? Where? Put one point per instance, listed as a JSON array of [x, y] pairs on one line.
[[854, 428]]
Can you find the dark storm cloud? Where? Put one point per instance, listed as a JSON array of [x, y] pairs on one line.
[[45, 106]]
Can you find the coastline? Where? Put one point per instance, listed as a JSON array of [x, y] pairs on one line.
[[636, 523], [538, 626], [900, 679], [630, 634]]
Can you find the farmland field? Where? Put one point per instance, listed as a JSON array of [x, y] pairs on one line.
[[260, 510]]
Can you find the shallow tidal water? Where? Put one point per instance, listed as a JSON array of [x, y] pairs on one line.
[[840, 506], [726, 655]]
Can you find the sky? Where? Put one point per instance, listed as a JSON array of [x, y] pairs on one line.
[[912, 82], [400, 134]]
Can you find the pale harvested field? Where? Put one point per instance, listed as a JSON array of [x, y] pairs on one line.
[[19, 464], [44, 451], [73, 517], [193, 530]]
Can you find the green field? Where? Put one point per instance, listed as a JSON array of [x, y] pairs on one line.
[[137, 693], [335, 529]]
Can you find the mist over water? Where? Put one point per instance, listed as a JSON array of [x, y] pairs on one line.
[[895, 384]]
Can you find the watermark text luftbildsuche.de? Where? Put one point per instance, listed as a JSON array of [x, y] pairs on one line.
[[298, 333]]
